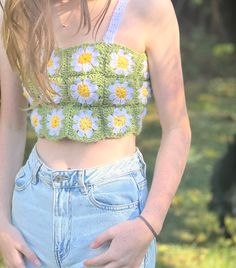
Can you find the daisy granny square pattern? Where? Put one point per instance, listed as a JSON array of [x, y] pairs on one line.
[[101, 91]]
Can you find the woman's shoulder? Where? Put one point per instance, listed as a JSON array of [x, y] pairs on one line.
[[157, 16], [152, 10]]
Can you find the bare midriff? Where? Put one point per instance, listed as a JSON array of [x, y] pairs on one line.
[[67, 154]]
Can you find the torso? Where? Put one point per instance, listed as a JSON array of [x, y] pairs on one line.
[[65, 153]]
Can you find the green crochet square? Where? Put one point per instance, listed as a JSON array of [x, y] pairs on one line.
[[83, 124], [86, 90], [120, 62], [119, 92], [85, 59], [119, 120], [54, 121]]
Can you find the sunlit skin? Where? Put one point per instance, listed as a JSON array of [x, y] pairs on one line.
[[154, 23]]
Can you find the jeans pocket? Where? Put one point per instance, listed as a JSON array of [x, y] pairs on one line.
[[115, 194], [22, 179]]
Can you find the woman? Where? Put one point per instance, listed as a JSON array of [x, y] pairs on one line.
[[81, 198]]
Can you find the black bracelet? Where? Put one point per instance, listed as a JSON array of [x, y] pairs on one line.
[[149, 225]]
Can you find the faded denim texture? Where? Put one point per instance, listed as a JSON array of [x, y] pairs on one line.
[[60, 212]]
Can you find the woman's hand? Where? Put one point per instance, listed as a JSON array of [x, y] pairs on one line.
[[13, 245], [130, 241]]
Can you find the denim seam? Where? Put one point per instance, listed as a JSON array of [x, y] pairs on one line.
[[114, 178], [24, 186], [70, 221], [69, 240], [110, 207], [139, 188], [54, 232], [146, 257], [103, 178]]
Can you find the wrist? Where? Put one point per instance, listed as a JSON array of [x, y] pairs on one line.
[[156, 226], [143, 230], [4, 221]]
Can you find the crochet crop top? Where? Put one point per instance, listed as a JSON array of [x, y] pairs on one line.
[[103, 87]]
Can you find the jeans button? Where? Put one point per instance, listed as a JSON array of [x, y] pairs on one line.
[[59, 178]]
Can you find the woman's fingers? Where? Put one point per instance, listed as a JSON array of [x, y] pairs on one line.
[[103, 237], [28, 252], [13, 246], [101, 259], [15, 261]]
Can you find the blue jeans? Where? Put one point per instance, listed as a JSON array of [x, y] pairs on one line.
[[60, 212]]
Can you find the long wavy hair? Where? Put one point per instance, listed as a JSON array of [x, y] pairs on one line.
[[26, 32]]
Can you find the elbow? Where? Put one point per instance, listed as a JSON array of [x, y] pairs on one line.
[[186, 132], [180, 131]]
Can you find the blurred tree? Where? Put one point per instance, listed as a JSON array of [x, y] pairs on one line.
[[215, 16]]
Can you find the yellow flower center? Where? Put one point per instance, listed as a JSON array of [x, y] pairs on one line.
[[50, 63], [83, 90], [85, 124], [85, 58], [119, 121], [145, 92], [55, 121], [35, 121], [122, 63], [121, 92]]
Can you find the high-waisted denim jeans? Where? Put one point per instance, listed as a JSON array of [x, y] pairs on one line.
[[60, 212]]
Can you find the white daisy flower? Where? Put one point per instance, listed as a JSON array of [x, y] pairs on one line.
[[56, 98], [53, 64], [26, 95], [145, 70], [84, 59], [35, 119], [120, 92], [121, 62], [54, 121], [120, 120], [85, 123], [144, 92], [84, 91]]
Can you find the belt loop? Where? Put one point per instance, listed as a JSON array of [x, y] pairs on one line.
[[142, 161], [81, 176]]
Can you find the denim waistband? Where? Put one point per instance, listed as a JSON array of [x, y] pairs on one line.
[[79, 177]]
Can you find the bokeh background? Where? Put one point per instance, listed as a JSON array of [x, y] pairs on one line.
[[191, 236]]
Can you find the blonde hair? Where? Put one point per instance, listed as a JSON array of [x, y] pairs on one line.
[[26, 32]]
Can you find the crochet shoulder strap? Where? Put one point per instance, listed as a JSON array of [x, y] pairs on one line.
[[115, 21]]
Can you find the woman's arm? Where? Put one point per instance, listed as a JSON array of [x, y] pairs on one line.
[[163, 49], [12, 145], [12, 132]]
